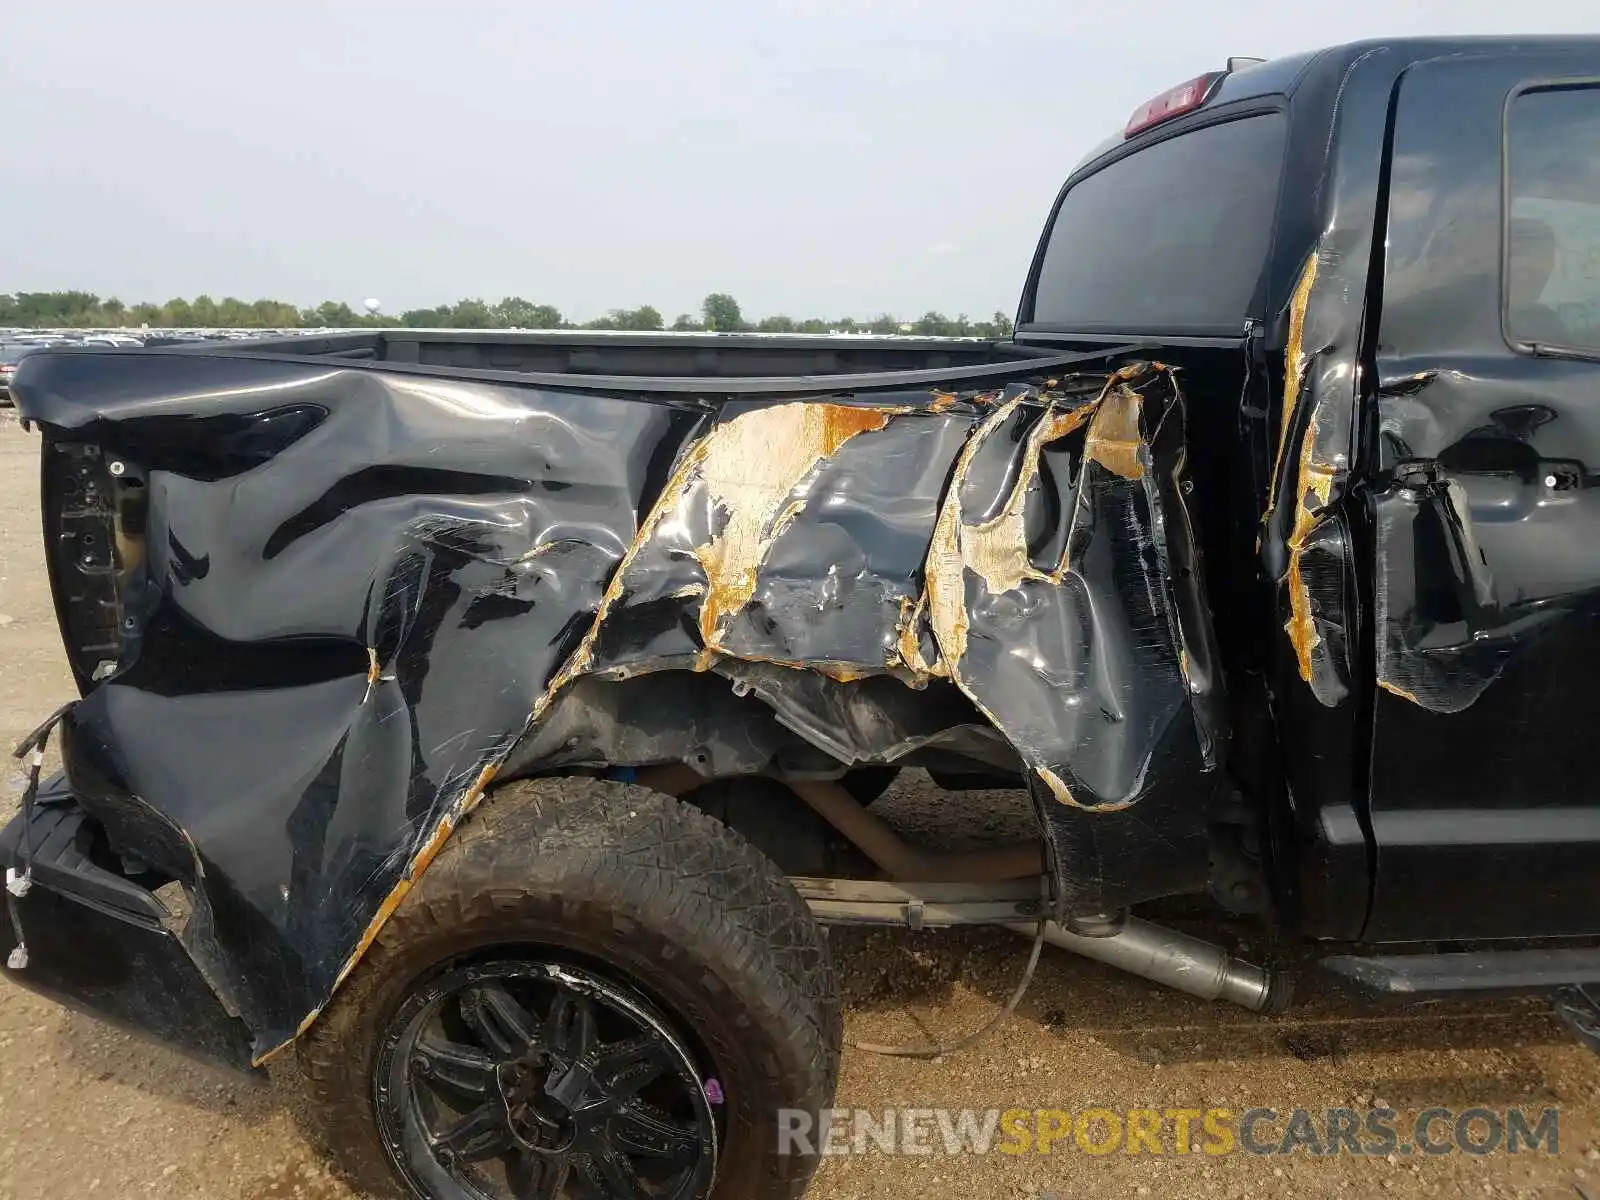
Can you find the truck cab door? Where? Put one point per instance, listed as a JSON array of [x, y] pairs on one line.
[[1484, 441]]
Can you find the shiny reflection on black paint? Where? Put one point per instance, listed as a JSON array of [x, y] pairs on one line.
[[1487, 553], [303, 716], [333, 643], [179, 656], [380, 482]]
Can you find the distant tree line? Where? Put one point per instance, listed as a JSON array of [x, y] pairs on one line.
[[719, 312]]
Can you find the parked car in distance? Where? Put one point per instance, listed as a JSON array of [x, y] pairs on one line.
[[11, 353]]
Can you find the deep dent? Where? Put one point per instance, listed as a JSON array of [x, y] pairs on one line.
[[754, 469], [1294, 367], [751, 471], [1306, 483], [1030, 576]]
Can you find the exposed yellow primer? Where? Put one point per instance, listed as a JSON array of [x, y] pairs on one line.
[[671, 497], [1294, 367], [834, 668], [374, 673], [756, 449], [538, 551], [1114, 439], [1088, 412], [1312, 479], [1058, 788], [944, 572], [1396, 690], [908, 645], [999, 553], [754, 464], [997, 550], [1316, 488], [751, 467], [419, 863]]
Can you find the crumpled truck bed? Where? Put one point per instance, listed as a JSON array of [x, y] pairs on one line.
[[346, 598]]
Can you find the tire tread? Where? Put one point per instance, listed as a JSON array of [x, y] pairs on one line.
[[595, 851]]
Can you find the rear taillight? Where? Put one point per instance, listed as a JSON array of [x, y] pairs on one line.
[[1173, 102]]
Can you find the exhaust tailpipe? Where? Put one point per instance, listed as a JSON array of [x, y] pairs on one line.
[[1175, 959], [1128, 943]]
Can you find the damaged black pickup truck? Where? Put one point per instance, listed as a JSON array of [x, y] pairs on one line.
[[496, 717]]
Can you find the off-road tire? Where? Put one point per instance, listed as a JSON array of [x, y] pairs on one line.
[[656, 892]]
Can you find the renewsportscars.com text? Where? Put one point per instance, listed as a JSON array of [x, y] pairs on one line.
[[1214, 1131]]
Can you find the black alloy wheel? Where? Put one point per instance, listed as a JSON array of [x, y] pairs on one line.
[[520, 1079], [594, 991]]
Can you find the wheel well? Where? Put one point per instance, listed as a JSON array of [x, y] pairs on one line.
[[771, 817]]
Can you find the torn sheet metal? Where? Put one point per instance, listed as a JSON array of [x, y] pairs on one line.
[[1439, 641], [1486, 528], [1306, 543], [1485, 564], [1484, 551], [364, 594], [1306, 537]]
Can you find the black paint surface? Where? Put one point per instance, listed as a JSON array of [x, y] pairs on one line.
[[328, 601]]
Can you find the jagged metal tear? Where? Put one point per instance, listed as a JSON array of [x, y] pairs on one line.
[[364, 594]]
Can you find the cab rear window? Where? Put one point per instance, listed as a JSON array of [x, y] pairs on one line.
[[1172, 239]]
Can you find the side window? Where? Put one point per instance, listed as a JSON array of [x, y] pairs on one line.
[[1552, 234]]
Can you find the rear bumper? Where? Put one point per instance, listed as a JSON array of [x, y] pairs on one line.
[[99, 942]]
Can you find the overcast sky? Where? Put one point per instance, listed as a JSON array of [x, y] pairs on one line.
[[810, 156]]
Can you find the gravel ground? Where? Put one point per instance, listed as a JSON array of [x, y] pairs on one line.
[[86, 1111]]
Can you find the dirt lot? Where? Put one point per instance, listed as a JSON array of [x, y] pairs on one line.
[[86, 1111]]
